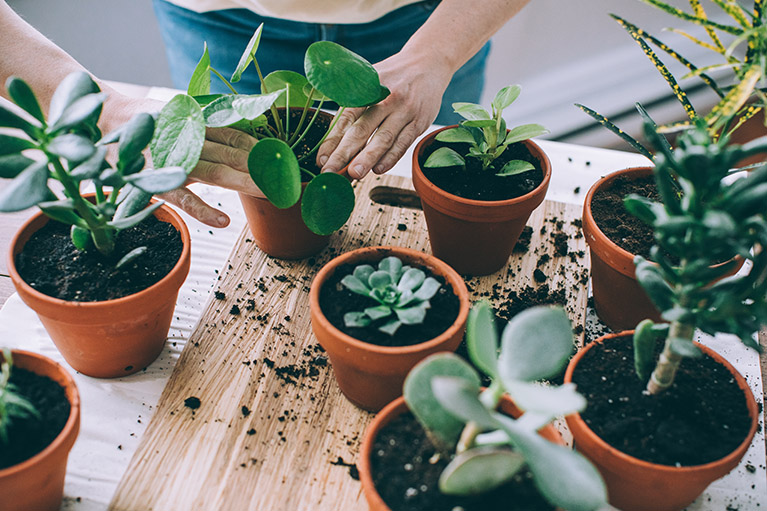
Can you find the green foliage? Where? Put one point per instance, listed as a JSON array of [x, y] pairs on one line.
[[486, 135], [402, 292], [12, 404], [68, 147], [333, 73], [490, 448]]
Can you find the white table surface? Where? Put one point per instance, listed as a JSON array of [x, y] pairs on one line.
[[116, 412]]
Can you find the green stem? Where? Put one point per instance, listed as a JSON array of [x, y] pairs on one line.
[[272, 108], [226, 82], [302, 119], [306, 130], [490, 398], [332, 125]]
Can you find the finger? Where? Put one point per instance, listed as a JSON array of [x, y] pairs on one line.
[[232, 157], [231, 137], [354, 140], [395, 134], [347, 118], [390, 158], [224, 176], [196, 207]]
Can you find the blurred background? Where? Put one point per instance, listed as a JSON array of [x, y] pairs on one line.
[[560, 51]]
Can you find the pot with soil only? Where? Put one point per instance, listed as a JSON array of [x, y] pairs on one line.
[[633, 483], [370, 374], [35, 481]]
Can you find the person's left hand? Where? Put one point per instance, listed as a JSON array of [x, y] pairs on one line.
[[417, 84]]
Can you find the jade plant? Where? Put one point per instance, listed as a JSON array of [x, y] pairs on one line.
[[714, 219], [403, 294], [486, 448], [68, 147], [485, 133], [12, 405], [278, 160]]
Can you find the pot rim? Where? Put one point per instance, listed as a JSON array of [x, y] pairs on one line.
[[732, 457], [62, 377], [183, 260], [433, 264], [531, 145]]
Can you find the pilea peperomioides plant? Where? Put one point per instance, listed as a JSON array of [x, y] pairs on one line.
[[486, 135], [12, 404], [488, 448], [278, 161], [401, 291], [68, 147], [712, 220]]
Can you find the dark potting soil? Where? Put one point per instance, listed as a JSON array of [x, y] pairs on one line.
[[312, 138], [51, 264], [623, 228], [28, 436], [336, 300], [475, 183], [407, 481], [700, 419]]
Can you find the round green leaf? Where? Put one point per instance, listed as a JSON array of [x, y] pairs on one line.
[[279, 80], [22, 95], [274, 169], [342, 75], [328, 203], [444, 157], [482, 338], [250, 107], [179, 134], [135, 136], [220, 112], [479, 470]]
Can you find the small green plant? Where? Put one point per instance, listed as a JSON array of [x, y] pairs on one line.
[[277, 162], [12, 404], [486, 448], [68, 147], [486, 135], [713, 220], [401, 291]]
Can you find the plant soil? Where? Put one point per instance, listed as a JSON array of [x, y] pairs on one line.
[[312, 138], [623, 228], [700, 419], [407, 481], [51, 264], [477, 184], [336, 300], [30, 435]]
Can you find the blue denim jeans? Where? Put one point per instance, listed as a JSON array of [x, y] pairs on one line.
[[283, 44]]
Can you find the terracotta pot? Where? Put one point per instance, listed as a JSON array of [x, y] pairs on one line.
[[394, 410], [111, 338], [370, 376], [37, 484], [620, 301], [475, 237], [279, 232], [636, 485]]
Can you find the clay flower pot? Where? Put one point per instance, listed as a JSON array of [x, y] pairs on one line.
[[37, 484], [371, 376], [110, 338], [394, 410], [475, 237], [636, 485]]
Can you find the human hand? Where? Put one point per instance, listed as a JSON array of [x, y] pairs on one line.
[[417, 84]]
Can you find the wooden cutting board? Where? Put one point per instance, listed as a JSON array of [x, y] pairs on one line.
[[251, 417]]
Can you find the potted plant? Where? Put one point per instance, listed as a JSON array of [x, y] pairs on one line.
[[302, 206], [479, 183], [101, 271], [454, 449], [39, 422], [378, 311], [670, 453]]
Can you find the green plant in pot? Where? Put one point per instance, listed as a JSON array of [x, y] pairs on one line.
[[283, 157], [714, 218], [481, 448], [66, 148]]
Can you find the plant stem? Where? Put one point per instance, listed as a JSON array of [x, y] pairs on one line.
[[490, 398], [226, 82], [308, 126], [302, 119], [332, 125], [272, 108], [668, 363]]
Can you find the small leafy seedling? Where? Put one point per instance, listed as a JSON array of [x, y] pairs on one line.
[[486, 135], [277, 161], [12, 405], [68, 147], [486, 448], [401, 291]]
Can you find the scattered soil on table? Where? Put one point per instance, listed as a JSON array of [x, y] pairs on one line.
[[51, 264], [30, 435], [700, 419], [336, 300], [407, 481], [477, 184]]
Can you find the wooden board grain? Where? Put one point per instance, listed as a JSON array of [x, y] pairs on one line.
[[272, 430]]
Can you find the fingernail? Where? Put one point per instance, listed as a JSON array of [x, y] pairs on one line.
[[222, 220], [329, 169], [379, 169], [323, 159], [359, 169]]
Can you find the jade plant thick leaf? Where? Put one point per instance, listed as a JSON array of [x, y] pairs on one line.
[[402, 292], [13, 405], [68, 147], [486, 135], [486, 448], [277, 161]]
